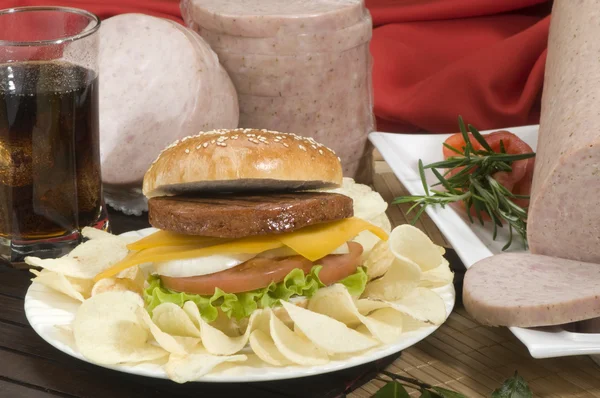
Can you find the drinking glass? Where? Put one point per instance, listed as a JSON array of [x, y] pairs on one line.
[[50, 184]]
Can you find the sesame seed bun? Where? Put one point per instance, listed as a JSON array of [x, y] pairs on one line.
[[242, 160]]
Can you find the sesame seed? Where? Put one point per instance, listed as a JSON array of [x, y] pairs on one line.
[[221, 144], [320, 151], [339, 160], [205, 144], [302, 147], [199, 146], [286, 145], [212, 141], [313, 147], [187, 151]]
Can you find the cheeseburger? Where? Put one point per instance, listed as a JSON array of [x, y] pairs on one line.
[[245, 220]]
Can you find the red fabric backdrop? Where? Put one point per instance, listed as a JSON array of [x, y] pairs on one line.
[[433, 59]]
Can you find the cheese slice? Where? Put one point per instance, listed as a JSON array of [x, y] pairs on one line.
[[317, 241], [313, 242]]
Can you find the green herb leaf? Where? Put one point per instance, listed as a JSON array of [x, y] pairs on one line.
[[477, 135], [468, 178], [428, 394], [423, 179], [393, 389], [515, 387], [445, 393]]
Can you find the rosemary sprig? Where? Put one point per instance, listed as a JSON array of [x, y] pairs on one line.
[[474, 185]]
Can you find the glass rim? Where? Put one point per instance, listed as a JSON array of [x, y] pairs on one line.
[[15, 43]]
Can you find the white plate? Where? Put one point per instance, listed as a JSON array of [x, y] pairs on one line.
[[46, 309], [474, 242]]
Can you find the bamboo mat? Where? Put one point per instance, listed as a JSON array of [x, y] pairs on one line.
[[474, 359]]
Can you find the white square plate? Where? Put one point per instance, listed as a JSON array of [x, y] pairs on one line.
[[474, 242]]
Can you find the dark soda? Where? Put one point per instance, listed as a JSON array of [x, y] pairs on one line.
[[50, 182]]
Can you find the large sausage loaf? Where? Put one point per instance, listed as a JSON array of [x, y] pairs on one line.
[[564, 214], [530, 290], [160, 82]]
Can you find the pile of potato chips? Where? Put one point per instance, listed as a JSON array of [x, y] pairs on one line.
[[112, 326]]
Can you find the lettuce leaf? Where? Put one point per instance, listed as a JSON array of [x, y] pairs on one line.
[[241, 305]]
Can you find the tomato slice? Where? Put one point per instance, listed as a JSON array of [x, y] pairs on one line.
[[519, 180], [259, 272]]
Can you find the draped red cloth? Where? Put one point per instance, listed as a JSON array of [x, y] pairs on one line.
[[433, 59], [436, 59]]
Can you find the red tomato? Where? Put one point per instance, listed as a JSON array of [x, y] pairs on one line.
[[259, 272], [519, 180]]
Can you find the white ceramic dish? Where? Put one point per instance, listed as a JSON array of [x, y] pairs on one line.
[[474, 242], [46, 309]]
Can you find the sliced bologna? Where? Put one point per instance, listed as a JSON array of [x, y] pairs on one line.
[[159, 82], [565, 206], [529, 290]]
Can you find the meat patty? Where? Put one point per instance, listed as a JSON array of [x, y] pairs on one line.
[[248, 215]]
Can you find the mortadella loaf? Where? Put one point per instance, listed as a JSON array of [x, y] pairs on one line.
[[564, 212], [160, 82], [529, 290]]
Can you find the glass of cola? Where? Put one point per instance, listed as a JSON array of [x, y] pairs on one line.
[[50, 184]]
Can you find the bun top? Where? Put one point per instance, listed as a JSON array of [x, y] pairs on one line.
[[242, 160]]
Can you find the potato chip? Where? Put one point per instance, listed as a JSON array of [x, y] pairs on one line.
[[424, 305], [386, 325], [87, 259], [172, 319], [338, 338], [65, 329], [437, 277], [59, 283], [401, 278], [368, 204], [107, 330], [135, 274], [382, 221], [298, 331], [410, 324], [368, 306], [218, 343], [293, 347], [336, 303], [115, 285], [262, 344], [379, 260], [95, 233], [163, 339], [223, 322], [408, 242], [191, 367]]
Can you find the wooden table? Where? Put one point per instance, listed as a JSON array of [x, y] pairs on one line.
[[460, 355]]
